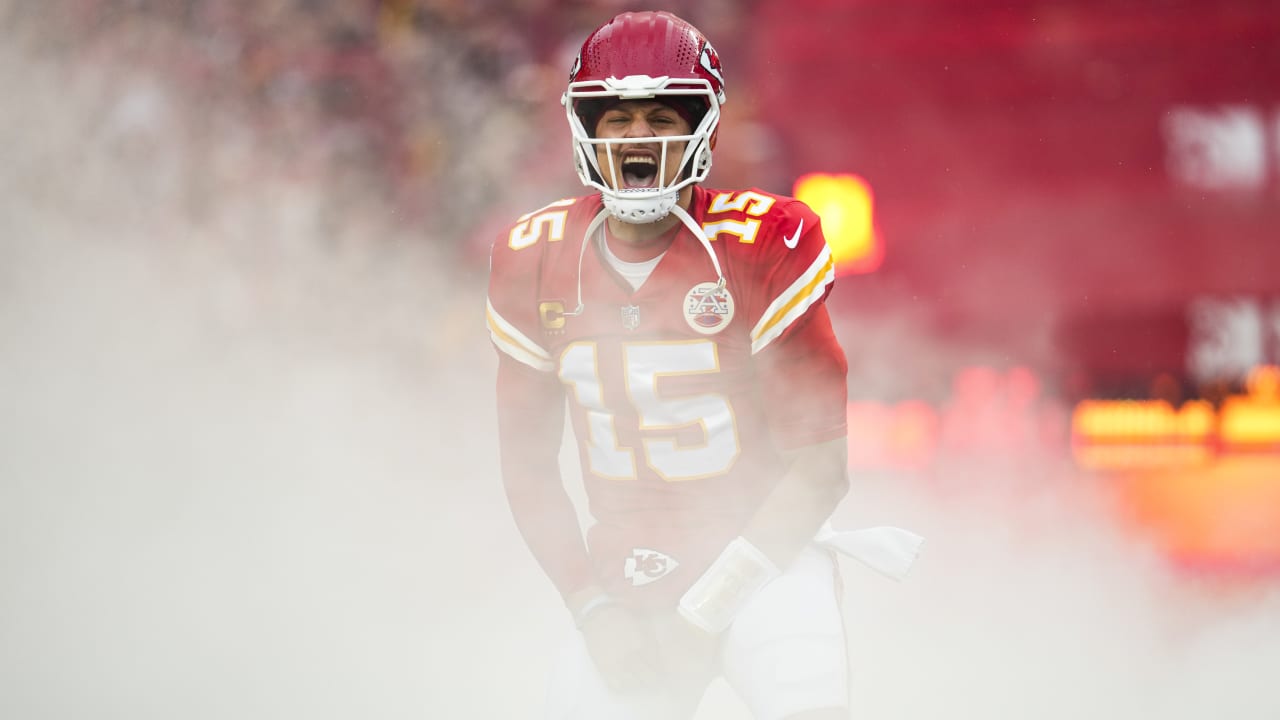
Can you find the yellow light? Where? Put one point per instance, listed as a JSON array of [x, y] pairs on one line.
[[1129, 434], [847, 208], [1254, 419], [1152, 421]]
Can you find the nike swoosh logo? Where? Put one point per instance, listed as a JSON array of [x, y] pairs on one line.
[[792, 241]]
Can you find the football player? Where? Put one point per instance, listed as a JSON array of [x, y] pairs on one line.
[[686, 327]]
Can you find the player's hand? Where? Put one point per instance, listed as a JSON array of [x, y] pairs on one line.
[[622, 647], [684, 648]]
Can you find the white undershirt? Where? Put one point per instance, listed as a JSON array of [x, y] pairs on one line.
[[634, 273]]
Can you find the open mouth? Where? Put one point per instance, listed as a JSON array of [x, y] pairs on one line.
[[639, 169]]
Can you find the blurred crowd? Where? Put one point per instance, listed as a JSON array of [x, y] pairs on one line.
[[426, 113]]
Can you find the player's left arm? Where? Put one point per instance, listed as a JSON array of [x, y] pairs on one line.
[[802, 370], [808, 397], [803, 374], [805, 391]]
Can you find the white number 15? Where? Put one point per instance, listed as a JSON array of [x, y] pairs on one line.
[[661, 417]]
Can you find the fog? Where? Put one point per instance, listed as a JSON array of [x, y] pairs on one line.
[[247, 470]]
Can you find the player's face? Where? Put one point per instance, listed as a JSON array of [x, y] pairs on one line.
[[637, 164]]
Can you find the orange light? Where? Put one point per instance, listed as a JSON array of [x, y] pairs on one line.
[[1222, 514], [847, 208], [1204, 485]]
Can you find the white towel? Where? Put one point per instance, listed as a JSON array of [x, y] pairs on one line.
[[889, 551]]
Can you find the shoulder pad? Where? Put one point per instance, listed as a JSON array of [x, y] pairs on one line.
[[548, 223]]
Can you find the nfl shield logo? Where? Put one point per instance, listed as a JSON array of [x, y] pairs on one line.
[[631, 317]]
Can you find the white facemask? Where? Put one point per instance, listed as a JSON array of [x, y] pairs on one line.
[[650, 204]]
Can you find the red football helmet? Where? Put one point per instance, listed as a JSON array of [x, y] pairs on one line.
[[645, 55]]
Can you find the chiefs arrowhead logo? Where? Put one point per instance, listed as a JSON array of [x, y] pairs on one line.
[[645, 566], [708, 307]]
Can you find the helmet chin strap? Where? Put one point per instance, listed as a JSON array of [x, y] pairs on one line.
[[697, 231], [598, 221], [592, 227]]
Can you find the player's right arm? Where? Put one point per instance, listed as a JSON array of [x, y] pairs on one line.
[[530, 421], [531, 406], [802, 372], [530, 410], [530, 425]]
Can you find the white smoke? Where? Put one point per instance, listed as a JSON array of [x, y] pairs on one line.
[[247, 470], [246, 460]]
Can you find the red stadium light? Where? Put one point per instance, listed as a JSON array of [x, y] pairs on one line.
[[847, 208]]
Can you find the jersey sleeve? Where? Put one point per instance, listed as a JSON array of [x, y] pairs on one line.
[[802, 366], [511, 309], [794, 272]]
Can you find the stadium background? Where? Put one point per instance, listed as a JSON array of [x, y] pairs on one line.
[[247, 446]]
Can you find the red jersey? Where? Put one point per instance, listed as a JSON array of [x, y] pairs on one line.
[[682, 393]]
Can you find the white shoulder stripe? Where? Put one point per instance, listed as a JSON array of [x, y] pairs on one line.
[[793, 302], [507, 338]]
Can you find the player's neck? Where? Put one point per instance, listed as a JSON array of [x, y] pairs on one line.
[[638, 243]]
